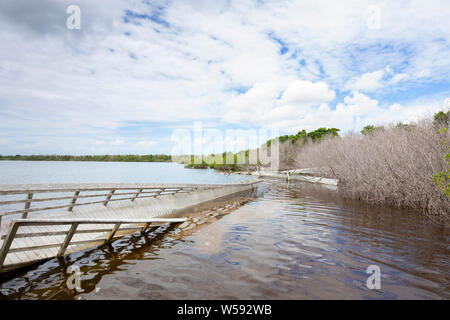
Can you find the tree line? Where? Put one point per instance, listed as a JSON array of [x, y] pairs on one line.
[[109, 158]]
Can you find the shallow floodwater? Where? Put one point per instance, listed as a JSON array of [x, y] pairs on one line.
[[284, 241]]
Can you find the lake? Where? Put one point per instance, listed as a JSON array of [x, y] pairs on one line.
[[284, 241], [18, 172]]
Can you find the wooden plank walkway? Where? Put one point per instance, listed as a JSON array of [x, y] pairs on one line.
[[40, 225]]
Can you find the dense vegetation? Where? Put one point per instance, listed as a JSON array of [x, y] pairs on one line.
[[442, 119], [303, 136], [115, 158], [240, 161], [211, 162], [442, 178], [405, 165], [370, 129]]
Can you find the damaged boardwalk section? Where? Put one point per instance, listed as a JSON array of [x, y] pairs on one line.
[[43, 221]]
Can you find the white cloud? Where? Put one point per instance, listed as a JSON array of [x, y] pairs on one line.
[[272, 104], [360, 110], [57, 85], [117, 142], [307, 93], [251, 105], [378, 79], [367, 82], [399, 77]]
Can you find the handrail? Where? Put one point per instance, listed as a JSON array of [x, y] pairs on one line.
[[74, 223], [69, 187], [138, 193], [135, 190], [51, 222], [50, 237]]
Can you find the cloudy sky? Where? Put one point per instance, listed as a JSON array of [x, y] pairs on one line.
[[138, 70]]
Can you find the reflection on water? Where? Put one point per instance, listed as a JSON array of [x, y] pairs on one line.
[[296, 241]]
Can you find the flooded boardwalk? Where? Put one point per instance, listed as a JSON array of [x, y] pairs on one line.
[[283, 241], [94, 214]]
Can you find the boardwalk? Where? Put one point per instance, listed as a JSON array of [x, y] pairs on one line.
[[39, 222]]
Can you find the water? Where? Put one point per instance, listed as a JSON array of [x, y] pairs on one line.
[[287, 241], [19, 172]]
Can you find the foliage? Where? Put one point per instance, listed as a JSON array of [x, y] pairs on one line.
[[302, 136], [224, 167], [193, 165], [441, 119], [213, 165], [442, 178], [321, 133], [370, 129], [393, 166], [401, 125]]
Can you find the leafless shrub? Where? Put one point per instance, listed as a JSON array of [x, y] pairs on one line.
[[394, 166], [288, 154]]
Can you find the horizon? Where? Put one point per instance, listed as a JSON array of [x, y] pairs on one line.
[[130, 76]]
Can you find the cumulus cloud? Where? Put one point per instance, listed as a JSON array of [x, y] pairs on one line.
[[368, 81], [372, 81], [358, 110], [307, 93], [275, 105]]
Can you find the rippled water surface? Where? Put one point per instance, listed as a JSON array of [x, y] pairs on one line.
[[296, 241]]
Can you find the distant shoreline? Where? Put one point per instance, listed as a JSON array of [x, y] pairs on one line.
[[91, 158]]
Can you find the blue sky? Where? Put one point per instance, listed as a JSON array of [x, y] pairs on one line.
[[138, 71]]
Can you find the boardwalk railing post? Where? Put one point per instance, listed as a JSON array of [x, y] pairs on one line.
[[145, 227], [27, 206], [74, 199], [67, 240], [157, 193], [109, 197], [137, 194], [113, 232], [8, 241]]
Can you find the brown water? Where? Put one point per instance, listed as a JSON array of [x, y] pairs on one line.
[[297, 241]]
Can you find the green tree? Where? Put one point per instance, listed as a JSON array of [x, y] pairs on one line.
[[370, 129], [321, 133], [441, 119]]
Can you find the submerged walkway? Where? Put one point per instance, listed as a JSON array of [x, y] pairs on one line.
[[39, 222], [305, 175]]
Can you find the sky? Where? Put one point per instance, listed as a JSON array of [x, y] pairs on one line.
[[135, 71]]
